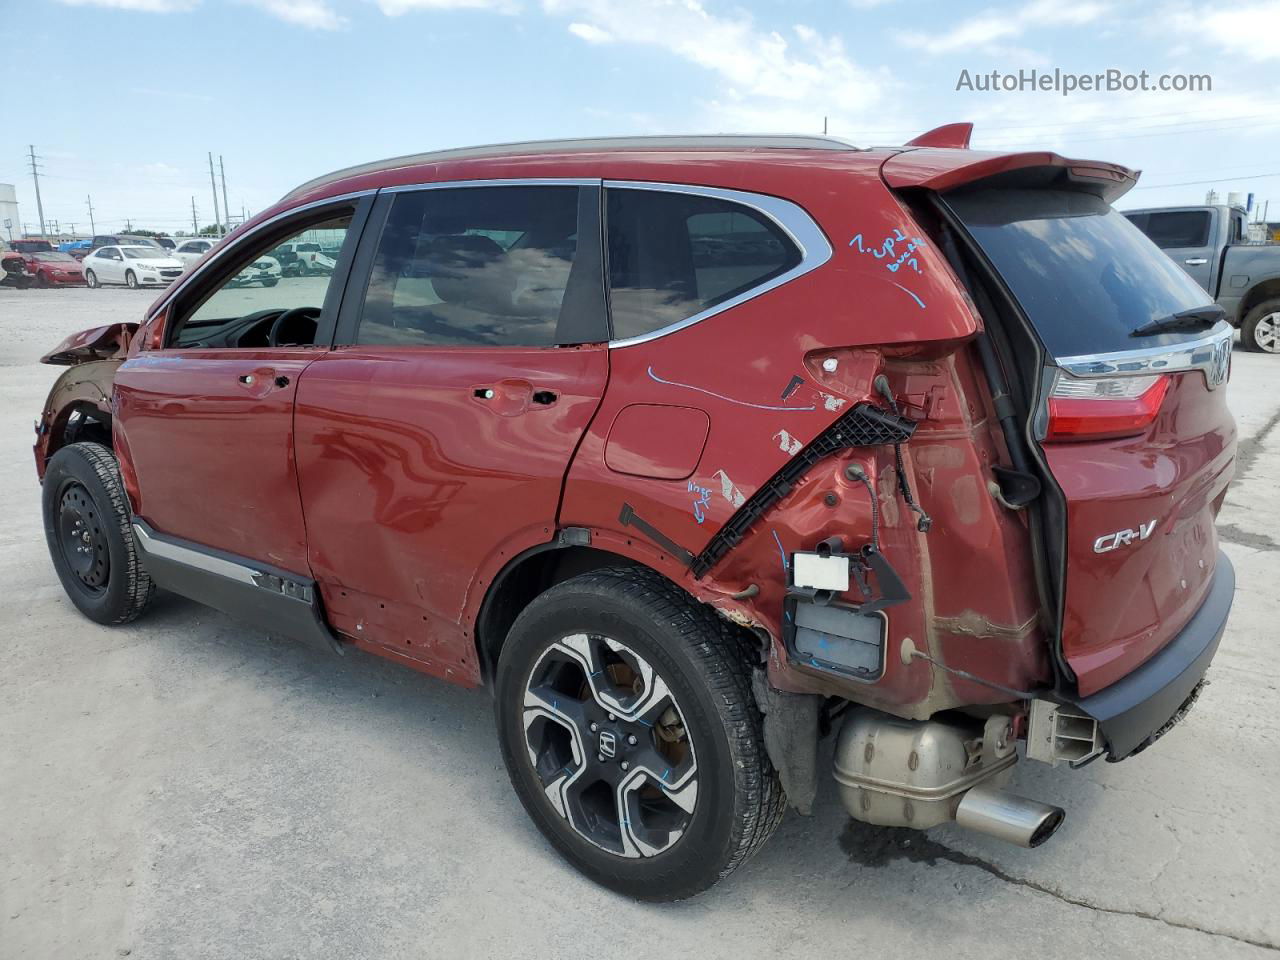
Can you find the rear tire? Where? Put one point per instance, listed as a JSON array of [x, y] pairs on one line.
[[1260, 331], [90, 536], [671, 703], [130, 280], [91, 279]]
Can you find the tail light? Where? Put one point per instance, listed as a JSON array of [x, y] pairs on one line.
[[1100, 408]]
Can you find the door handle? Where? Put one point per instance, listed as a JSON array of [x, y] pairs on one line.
[[1195, 262]]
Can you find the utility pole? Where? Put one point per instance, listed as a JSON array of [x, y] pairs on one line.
[[226, 210], [35, 176], [72, 225], [824, 126], [128, 225], [195, 224], [214, 184], [89, 200]]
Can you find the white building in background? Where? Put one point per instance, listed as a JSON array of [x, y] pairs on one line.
[[10, 222]]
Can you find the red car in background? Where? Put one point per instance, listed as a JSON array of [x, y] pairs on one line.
[[692, 451], [49, 267]]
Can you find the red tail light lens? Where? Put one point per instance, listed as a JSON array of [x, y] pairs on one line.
[[1103, 408]]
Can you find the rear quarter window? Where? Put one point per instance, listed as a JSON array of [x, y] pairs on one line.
[[673, 255]]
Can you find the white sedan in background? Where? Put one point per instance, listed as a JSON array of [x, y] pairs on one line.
[[132, 266], [189, 251]]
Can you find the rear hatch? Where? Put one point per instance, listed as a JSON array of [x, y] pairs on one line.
[[1131, 417]]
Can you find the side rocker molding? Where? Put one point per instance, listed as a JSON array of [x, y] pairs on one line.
[[274, 600]]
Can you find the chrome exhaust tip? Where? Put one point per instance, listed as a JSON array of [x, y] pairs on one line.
[[1008, 817]]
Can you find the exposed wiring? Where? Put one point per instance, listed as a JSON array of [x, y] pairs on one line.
[[924, 521]]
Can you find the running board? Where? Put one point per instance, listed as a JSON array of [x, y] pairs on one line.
[[269, 598]]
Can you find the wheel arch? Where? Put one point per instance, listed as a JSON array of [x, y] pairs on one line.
[[78, 408], [1259, 292], [542, 566], [523, 578]]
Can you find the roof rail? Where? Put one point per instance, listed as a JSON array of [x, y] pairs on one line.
[[728, 141]]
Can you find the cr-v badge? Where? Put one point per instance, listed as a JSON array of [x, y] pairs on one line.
[[1122, 538]]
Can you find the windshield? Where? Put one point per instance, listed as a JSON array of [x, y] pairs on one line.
[[140, 253], [32, 246], [1086, 276], [55, 257]]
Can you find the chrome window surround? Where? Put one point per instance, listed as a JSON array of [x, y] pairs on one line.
[[792, 219], [220, 252], [1210, 354]]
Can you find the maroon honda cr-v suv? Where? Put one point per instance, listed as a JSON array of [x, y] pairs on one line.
[[691, 451]]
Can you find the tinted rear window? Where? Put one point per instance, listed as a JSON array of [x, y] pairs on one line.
[[1085, 275]]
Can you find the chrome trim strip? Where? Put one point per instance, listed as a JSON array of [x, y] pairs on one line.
[[1210, 353], [194, 558], [223, 248], [504, 182], [791, 218]]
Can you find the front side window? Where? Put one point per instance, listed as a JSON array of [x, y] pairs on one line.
[[673, 255], [259, 303], [472, 266]]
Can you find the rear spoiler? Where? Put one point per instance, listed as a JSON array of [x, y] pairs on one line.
[[929, 165]]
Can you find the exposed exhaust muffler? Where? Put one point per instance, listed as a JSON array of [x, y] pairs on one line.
[[912, 773], [1008, 817]]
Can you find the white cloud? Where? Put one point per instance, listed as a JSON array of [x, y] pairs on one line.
[[985, 31], [140, 6], [396, 8], [762, 74], [590, 33], [1248, 30], [312, 14]]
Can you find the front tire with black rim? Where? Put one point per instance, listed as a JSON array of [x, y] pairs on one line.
[[1261, 328], [630, 733], [90, 537]]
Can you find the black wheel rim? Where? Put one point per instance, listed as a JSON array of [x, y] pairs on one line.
[[82, 539], [609, 746]]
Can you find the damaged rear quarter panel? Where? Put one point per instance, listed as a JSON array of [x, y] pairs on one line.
[[756, 371]]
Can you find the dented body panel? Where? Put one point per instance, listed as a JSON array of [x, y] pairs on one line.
[[410, 502]]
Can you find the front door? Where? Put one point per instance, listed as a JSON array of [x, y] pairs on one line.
[[206, 422], [433, 441]]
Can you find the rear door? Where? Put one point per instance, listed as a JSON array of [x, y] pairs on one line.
[[434, 440], [1135, 428], [1186, 237]]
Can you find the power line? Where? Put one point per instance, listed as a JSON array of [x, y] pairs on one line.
[[1196, 183]]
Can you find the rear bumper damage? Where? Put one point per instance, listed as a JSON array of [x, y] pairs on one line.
[[1136, 710]]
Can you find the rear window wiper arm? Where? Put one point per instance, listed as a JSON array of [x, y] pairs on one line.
[[1183, 320]]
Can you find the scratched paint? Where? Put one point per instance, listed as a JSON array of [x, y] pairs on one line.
[[702, 501], [720, 396], [787, 443], [830, 402], [729, 490]]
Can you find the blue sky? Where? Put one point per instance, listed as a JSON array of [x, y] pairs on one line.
[[124, 98]]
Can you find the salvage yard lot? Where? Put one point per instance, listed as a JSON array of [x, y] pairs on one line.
[[187, 787]]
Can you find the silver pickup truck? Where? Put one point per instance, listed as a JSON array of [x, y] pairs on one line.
[[1209, 243]]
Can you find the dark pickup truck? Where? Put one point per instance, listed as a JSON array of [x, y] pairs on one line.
[[1209, 243]]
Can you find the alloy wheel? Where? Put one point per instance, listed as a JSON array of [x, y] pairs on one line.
[[1266, 333], [609, 746]]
